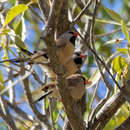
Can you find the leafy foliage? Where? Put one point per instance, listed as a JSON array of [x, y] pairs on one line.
[[21, 28]]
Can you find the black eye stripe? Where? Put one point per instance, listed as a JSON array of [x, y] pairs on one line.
[[71, 32], [72, 40], [45, 55]]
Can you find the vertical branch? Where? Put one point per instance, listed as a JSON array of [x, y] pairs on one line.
[[4, 113], [28, 93], [11, 90]]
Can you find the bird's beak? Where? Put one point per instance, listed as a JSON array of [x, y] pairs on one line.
[[82, 56], [76, 34], [88, 82]]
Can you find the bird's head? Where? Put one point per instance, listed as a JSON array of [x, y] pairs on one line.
[[70, 36], [78, 58]]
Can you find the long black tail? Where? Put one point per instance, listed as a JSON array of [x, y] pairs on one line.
[[42, 97], [19, 59], [26, 51], [16, 60]]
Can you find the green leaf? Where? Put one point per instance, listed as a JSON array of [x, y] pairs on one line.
[[2, 83], [47, 103], [1, 78], [5, 56], [122, 50], [55, 114], [4, 31], [14, 11], [105, 21], [115, 16], [125, 31], [18, 27], [12, 52], [118, 64], [95, 77], [19, 42]]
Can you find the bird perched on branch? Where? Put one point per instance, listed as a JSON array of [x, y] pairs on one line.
[[76, 85], [66, 46], [70, 67]]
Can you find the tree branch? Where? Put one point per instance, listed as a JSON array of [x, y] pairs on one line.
[[82, 12], [70, 106], [4, 113], [107, 111]]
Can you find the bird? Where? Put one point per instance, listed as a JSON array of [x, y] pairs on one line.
[[74, 63], [76, 85], [71, 66], [66, 45]]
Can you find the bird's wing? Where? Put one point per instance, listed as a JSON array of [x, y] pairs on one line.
[[39, 57], [60, 43], [66, 53], [71, 67]]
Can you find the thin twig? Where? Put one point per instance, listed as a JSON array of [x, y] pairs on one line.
[[40, 117], [91, 103], [98, 107], [17, 81], [37, 15], [96, 37], [82, 12], [19, 111], [4, 113], [11, 68], [93, 44], [36, 77], [103, 63], [17, 119]]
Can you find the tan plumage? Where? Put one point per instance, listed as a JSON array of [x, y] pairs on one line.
[[42, 57], [66, 45], [70, 67], [76, 85], [65, 53]]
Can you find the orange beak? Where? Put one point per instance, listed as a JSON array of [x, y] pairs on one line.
[[88, 82], [76, 34], [82, 56]]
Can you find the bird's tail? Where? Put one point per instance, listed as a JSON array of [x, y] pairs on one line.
[[26, 51], [15, 60], [42, 97]]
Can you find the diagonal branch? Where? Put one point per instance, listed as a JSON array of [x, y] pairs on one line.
[[18, 111], [102, 62], [4, 113], [107, 111], [110, 108], [82, 12]]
